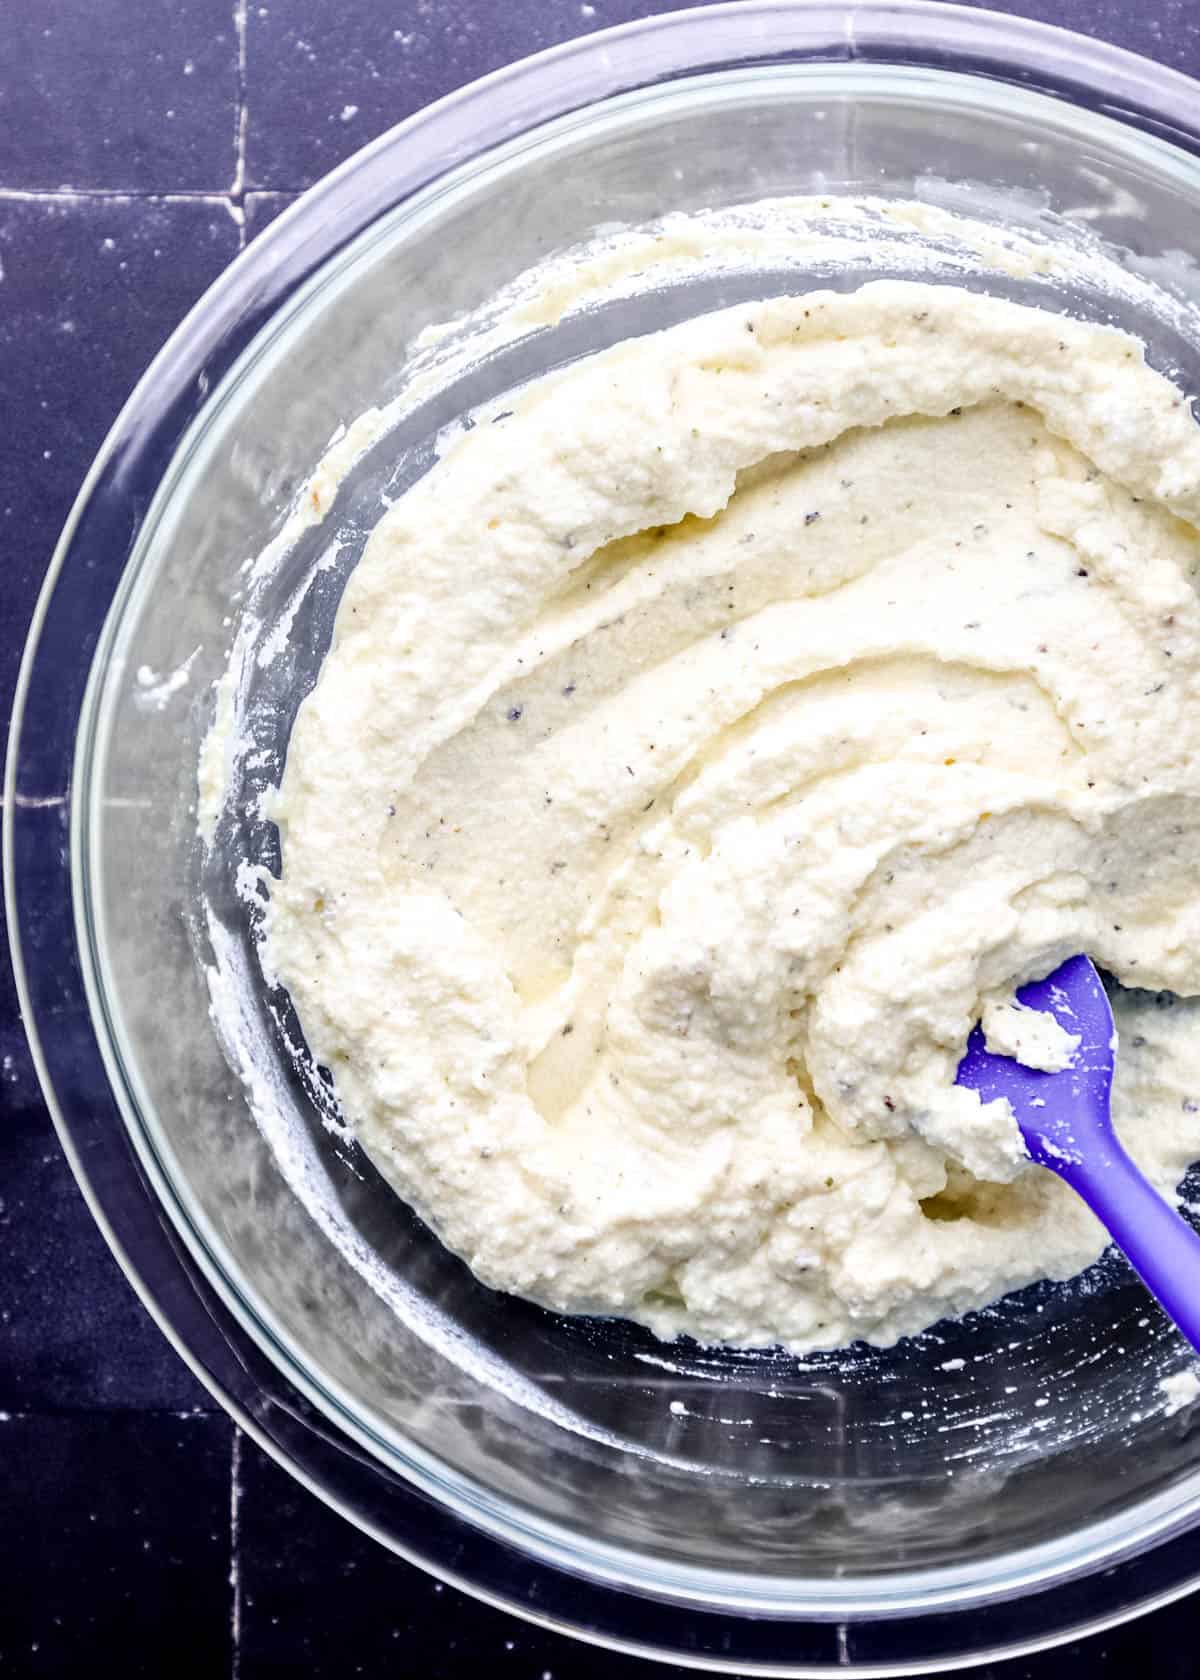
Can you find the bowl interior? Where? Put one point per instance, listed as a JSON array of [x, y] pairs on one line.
[[865, 1476]]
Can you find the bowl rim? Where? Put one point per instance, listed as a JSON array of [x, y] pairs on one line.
[[550, 1542], [262, 280]]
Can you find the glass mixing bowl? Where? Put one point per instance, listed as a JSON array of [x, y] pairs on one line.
[[992, 1486]]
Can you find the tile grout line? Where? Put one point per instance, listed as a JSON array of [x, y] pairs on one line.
[[118, 195], [238, 189], [64, 1414], [127, 195], [232, 198], [235, 1568]]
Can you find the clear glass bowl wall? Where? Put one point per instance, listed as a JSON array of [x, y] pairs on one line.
[[1005, 1453]]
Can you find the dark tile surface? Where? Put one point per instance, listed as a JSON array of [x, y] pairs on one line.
[[358, 68], [125, 271], [73, 1335], [261, 209], [135, 1539], [119, 93], [114, 1549], [1168, 30], [305, 1576]]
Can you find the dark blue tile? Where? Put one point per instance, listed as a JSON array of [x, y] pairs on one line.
[[261, 209], [319, 1598], [72, 1332], [91, 287], [114, 1549], [321, 81], [125, 271], [1166, 30], [119, 93]]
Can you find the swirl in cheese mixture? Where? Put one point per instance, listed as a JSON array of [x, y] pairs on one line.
[[705, 745]]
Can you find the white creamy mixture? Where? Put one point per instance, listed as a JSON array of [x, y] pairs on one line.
[[706, 744]]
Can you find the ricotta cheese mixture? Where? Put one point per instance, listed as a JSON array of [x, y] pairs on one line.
[[708, 741]]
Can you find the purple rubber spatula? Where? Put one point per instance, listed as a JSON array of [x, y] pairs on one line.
[[1066, 1123]]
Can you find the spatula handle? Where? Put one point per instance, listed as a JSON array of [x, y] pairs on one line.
[[1158, 1242]]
